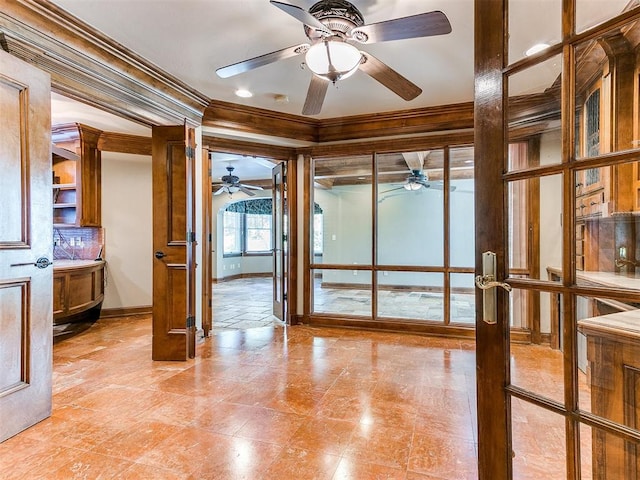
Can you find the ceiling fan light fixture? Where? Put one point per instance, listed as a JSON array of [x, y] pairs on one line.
[[412, 186], [333, 60]]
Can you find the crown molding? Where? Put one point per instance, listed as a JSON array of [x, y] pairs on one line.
[[88, 66], [231, 116]]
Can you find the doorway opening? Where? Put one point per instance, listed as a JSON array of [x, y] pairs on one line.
[[246, 257]]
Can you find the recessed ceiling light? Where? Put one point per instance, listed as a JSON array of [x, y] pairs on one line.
[[538, 47], [241, 92]]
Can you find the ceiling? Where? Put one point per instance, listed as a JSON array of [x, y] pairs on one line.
[[190, 39]]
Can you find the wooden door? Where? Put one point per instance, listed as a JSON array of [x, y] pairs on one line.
[[173, 243], [569, 408], [26, 233], [279, 240]]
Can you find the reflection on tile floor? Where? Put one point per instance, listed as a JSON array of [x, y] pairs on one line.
[[265, 403]]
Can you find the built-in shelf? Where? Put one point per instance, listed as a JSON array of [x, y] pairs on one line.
[[76, 176]]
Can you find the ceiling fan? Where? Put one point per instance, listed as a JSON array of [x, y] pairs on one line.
[[231, 184], [333, 27], [417, 180]]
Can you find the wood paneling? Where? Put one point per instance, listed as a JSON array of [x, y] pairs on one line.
[[124, 143], [240, 118]]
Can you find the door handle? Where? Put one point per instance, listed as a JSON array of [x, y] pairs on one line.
[[160, 254], [487, 283], [42, 262]]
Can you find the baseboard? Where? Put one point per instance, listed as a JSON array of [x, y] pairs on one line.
[[126, 312], [241, 275]]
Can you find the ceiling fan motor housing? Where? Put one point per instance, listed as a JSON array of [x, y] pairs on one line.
[[339, 16]]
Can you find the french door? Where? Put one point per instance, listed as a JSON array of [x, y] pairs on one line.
[[279, 241], [558, 194]]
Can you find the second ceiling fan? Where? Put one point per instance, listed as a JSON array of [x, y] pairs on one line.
[[333, 27]]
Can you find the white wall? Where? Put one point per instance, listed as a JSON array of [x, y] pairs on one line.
[[410, 226], [550, 219], [127, 221]]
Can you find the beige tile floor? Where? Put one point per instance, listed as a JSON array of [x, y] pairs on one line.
[[273, 403]]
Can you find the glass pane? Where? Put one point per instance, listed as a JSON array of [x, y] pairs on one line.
[[534, 115], [524, 40], [463, 299], [590, 13], [550, 314], [462, 208], [606, 85], [609, 359], [410, 208], [539, 443], [411, 295], [606, 456], [342, 190], [535, 227], [259, 232], [537, 368], [608, 226], [342, 292]]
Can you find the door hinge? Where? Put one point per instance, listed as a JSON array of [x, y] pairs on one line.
[[191, 322], [284, 296], [190, 152], [210, 238], [191, 237]]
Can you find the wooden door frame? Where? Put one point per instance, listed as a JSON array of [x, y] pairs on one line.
[[278, 153], [494, 408], [207, 258]]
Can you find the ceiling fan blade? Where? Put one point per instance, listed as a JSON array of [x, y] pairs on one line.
[[392, 190], [438, 186], [315, 96], [247, 191], [266, 59], [302, 16], [421, 25], [389, 77], [251, 187], [219, 191]]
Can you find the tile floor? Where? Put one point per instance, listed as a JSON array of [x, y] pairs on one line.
[[231, 309], [267, 403]]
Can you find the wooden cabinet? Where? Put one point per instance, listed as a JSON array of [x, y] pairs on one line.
[[76, 165], [613, 352], [78, 290]]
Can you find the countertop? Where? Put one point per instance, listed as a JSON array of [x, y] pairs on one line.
[[68, 264]]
